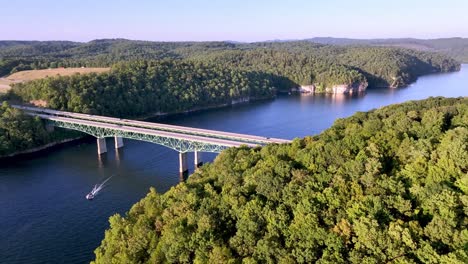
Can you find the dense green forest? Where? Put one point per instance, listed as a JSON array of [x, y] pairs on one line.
[[19, 131], [457, 48], [305, 63], [294, 63], [385, 186], [147, 87]]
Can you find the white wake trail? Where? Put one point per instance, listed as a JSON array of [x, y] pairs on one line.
[[97, 188]]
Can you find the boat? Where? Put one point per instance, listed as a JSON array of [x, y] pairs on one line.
[[96, 189], [91, 195]]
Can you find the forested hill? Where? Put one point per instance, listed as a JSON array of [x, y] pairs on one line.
[[20, 132], [457, 48], [298, 63], [306, 63], [139, 88], [386, 186]]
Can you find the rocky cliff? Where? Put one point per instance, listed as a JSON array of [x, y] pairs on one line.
[[335, 89], [347, 88]]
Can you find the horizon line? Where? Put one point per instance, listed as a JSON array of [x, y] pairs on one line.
[[234, 41]]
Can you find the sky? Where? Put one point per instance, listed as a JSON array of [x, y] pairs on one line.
[[237, 20]]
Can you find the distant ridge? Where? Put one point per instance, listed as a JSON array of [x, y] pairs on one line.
[[455, 47]]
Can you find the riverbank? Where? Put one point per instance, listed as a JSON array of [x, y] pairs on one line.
[[198, 109], [24, 154]]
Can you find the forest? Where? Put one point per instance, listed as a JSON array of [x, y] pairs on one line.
[[19, 132], [385, 186], [135, 89], [296, 63], [457, 48], [305, 63]]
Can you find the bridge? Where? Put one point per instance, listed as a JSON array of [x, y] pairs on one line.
[[180, 138]]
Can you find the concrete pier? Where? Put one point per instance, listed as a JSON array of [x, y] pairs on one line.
[[118, 142], [197, 159], [183, 169], [101, 145]]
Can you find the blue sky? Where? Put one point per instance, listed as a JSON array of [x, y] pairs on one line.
[[241, 20]]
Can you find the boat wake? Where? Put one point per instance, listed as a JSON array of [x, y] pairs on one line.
[[96, 189]]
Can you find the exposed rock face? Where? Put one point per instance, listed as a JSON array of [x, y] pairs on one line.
[[307, 88], [336, 89], [347, 88], [240, 100], [398, 81]]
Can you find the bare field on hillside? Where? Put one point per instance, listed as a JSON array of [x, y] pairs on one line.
[[24, 76], [39, 74], [4, 85]]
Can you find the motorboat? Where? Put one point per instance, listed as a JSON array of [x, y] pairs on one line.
[[93, 192], [96, 189]]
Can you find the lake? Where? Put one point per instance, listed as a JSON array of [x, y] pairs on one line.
[[45, 218]]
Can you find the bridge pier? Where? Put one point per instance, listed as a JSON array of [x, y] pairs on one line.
[[118, 142], [101, 145], [197, 159], [183, 169]]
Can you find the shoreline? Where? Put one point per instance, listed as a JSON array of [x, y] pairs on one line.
[[40, 149], [197, 109]]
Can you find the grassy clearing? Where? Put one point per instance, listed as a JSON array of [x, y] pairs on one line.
[[24, 76], [4, 85]]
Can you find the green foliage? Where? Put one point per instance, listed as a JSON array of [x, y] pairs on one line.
[[393, 67], [457, 48], [288, 64], [292, 66], [19, 132], [390, 185], [147, 87]]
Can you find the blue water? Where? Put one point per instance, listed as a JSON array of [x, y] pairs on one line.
[[45, 218]]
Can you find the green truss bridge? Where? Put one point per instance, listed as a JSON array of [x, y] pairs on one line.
[[179, 138]]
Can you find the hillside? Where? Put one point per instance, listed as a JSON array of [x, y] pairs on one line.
[[29, 75], [454, 47], [135, 89], [389, 185], [299, 63], [21, 132]]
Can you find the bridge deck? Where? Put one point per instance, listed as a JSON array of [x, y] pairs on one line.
[[179, 136], [159, 127]]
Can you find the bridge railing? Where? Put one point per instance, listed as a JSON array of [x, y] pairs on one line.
[[176, 141], [163, 127]]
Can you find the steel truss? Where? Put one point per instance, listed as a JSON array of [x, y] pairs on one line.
[[180, 145]]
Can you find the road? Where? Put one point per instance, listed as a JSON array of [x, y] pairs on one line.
[[145, 131], [188, 131]]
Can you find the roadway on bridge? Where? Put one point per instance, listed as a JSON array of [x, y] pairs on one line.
[[188, 131], [179, 136]]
